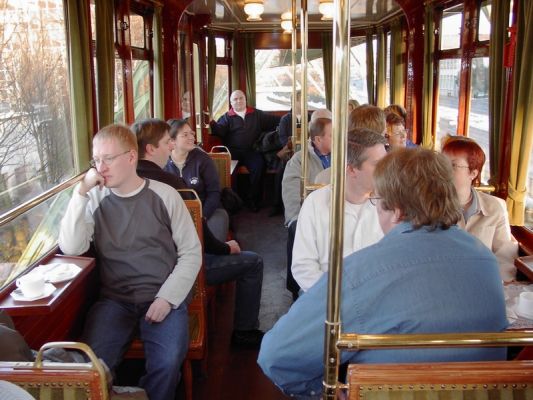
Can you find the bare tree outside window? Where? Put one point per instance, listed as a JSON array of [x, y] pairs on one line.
[[35, 128]]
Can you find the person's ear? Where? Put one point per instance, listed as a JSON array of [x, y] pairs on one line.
[[473, 174], [149, 149], [351, 171], [132, 156]]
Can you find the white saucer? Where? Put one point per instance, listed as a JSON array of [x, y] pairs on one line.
[[48, 290], [58, 272], [522, 314]]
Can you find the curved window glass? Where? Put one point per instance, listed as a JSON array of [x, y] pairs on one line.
[[36, 150]]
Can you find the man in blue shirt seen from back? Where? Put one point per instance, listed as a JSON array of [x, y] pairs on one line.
[[425, 276]]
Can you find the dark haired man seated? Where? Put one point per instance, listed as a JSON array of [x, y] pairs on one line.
[[224, 262], [425, 276]]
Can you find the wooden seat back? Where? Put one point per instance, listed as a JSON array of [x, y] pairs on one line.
[[435, 381], [198, 304], [222, 160], [51, 380]]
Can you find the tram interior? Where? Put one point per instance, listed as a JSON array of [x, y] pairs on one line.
[[181, 59]]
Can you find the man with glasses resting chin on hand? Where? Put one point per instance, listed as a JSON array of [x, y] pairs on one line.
[[148, 254]]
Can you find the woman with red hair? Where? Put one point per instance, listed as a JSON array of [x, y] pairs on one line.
[[483, 215]]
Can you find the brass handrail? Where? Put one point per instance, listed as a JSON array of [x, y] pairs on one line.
[[485, 188], [314, 186], [353, 341], [34, 202], [96, 365]]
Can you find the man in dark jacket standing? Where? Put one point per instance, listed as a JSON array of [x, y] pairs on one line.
[[239, 128]]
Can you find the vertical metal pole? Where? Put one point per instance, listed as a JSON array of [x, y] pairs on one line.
[[293, 57], [303, 68], [341, 54]]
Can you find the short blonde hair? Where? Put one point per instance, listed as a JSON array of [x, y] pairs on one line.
[[418, 182], [119, 132]]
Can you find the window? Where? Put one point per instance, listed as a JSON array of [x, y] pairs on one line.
[[448, 100], [30, 236], [221, 91], [450, 28], [483, 32], [358, 87], [36, 151], [462, 102], [274, 88], [133, 99], [221, 94], [478, 120], [35, 134]]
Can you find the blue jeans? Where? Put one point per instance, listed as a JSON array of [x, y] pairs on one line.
[[111, 326], [256, 166], [247, 269]]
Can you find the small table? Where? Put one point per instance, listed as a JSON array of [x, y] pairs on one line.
[[47, 305], [512, 291], [525, 265]]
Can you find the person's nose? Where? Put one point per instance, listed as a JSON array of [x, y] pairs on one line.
[[101, 167]]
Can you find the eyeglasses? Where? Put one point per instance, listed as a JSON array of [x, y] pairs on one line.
[[402, 134], [107, 160], [457, 166], [374, 200]]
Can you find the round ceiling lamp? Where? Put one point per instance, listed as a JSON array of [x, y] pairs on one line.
[[286, 22], [326, 9], [254, 9]]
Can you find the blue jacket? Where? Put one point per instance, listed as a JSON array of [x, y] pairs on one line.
[[200, 173], [285, 127], [450, 283], [240, 134]]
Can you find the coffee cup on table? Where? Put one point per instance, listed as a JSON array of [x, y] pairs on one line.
[[525, 305], [31, 285]]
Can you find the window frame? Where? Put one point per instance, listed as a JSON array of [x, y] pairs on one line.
[[470, 47], [128, 53], [226, 61]]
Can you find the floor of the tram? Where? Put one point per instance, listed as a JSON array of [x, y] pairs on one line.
[[233, 373], [267, 236]]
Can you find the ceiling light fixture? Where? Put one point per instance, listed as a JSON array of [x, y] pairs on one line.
[[326, 9], [254, 9], [286, 22]]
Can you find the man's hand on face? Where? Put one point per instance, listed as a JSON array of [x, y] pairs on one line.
[[158, 310], [91, 179]]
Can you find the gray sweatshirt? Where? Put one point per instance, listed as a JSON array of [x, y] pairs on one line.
[[146, 243]]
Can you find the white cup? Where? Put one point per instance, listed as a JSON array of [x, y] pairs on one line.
[[525, 304], [31, 285]]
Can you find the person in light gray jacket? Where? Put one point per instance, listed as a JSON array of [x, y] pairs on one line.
[[319, 148]]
